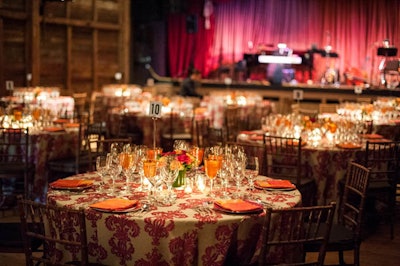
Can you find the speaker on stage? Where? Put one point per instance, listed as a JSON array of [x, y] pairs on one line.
[[191, 24]]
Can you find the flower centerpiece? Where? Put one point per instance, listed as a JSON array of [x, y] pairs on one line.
[[180, 159]]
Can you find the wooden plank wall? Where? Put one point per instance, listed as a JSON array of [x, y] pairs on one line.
[[75, 45]]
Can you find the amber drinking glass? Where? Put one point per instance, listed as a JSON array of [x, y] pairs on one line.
[[212, 164]]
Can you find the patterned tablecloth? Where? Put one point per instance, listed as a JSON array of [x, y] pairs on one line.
[[171, 235], [45, 146], [327, 165]]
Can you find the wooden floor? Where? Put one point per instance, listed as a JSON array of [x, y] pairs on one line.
[[377, 250]]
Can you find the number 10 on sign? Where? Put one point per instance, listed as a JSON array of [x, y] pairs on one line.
[[155, 109]]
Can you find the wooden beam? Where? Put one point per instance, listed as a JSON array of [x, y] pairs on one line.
[[81, 23]]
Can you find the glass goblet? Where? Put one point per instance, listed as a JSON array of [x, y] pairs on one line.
[[102, 171], [127, 161], [169, 175], [114, 168], [150, 172], [212, 164], [252, 169]]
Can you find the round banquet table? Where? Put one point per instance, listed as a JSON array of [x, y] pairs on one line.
[[171, 235], [48, 144], [327, 165]]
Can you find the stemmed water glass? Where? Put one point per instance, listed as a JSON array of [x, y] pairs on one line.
[[197, 153], [225, 173], [252, 169], [141, 153], [102, 171], [114, 167], [150, 172], [239, 165], [169, 172]]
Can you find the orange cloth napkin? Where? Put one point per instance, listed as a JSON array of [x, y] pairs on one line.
[[71, 183], [53, 129], [349, 146], [238, 205], [114, 204], [246, 132], [71, 125], [256, 137], [274, 183], [60, 121], [371, 136]]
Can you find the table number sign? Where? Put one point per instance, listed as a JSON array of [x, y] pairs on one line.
[[358, 89], [9, 85], [298, 94], [155, 112], [155, 109]]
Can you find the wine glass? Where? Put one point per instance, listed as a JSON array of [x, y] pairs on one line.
[[252, 169], [114, 167], [127, 160], [153, 153], [169, 173], [141, 153], [150, 172], [197, 153], [102, 171], [225, 173], [212, 164], [239, 164]]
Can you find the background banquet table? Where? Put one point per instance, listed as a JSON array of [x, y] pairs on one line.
[[170, 235], [326, 164], [48, 144]]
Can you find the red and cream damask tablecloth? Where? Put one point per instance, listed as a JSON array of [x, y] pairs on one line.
[[170, 235], [327, 165]]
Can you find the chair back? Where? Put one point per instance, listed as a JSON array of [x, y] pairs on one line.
[[382, 159], [216, 136], [284, 158], [351, 211], [232, 122], [97, 107], [254, 150], [201, 127], [14, 155], [104, 146], [288, 230], [64, 234], [79, 104]]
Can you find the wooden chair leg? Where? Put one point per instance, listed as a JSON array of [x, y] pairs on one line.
[[341, 258]]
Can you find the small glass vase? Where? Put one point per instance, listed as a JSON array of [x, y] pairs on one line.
[[180, 180]]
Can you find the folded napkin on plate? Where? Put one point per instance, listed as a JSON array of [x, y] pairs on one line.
[[256, 137], [274, 183], [53, 129], [114, 204], [371, 136], [238, 205], [71, 183], [60, 121], [349, 146], [379, 140], [246, 132], [71, 125]]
